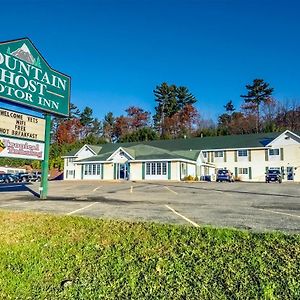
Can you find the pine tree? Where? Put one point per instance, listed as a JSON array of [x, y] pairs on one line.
[[184, 97], [259, 92], [38, 62]]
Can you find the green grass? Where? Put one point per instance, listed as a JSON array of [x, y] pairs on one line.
[[123, 260]]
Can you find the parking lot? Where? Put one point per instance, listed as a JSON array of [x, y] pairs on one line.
[[253, 206]]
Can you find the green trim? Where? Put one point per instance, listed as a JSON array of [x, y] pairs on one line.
[[281, 154], [45, 162], [266, 154], [236, 172], [235, 156], [250, 173], [225, 156], [249, 154], [169, 170], [102, 171], [128, 171], [115, 171], [143, 171]]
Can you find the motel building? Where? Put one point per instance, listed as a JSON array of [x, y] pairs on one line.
[[247, 156]]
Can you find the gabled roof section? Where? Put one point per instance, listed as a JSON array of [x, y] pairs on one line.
[[123, 150], [288, 134]]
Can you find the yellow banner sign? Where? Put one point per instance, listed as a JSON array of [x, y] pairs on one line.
[[23, 126]]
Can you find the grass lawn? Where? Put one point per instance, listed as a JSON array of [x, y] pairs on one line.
[[50, 257]]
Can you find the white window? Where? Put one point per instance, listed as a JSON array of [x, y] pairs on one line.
[[273, 152], [153, 168], [243, 171], [218, 153], [92, 169], [148, 166], [164, 168], [242, 153], [156, 168]]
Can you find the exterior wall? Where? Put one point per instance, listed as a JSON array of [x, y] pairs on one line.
[[69, 166], [175, 170], [257, 162], [108, 171], [135, 171]]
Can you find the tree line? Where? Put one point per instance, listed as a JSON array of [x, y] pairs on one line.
[[175, 116]]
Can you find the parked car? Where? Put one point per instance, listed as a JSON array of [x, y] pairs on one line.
[[224, 175], [23, 177], [273, 175], [36, 176], [8, 178]]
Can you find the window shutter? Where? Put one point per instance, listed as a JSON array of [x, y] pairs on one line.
[[249, 155], [250, 173], [212, 156], [128, 171], [102, 169], [235, 155], [143, 170], [225, 156], [115, 171], [267, 169], [169, 170], [266, 154], [281, 154], [236, 172]]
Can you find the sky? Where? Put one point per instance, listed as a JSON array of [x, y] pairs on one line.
[[117, 52]]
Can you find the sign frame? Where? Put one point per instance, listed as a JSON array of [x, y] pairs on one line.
[[33, 107], [46, 112]]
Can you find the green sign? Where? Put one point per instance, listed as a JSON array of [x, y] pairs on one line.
[[27, 79]]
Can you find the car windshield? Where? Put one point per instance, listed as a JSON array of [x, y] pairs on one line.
[[222, 172], [273, 171]]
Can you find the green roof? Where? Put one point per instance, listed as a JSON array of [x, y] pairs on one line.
[[188, 154], [102, 157], [95, 148], [181, 148]]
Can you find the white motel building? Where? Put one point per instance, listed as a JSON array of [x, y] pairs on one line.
[[246, 156]]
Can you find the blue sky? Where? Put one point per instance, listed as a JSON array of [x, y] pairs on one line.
[[117, 51]]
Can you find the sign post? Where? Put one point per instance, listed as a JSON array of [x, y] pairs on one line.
[[27, 80], [45, 162]]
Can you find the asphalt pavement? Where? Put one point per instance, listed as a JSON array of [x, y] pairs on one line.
[[252, 206]]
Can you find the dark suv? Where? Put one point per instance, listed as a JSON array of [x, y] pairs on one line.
[[224, 175], [273, 175]]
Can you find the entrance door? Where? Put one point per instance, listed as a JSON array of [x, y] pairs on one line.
[[290, 173], [122, 171]]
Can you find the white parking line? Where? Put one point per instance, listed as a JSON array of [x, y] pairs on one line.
[[171, 190], [94, 190], [182, 216], [280, 213], [79, 209]]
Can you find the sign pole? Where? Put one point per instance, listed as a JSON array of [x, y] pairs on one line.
[[45, 162]]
